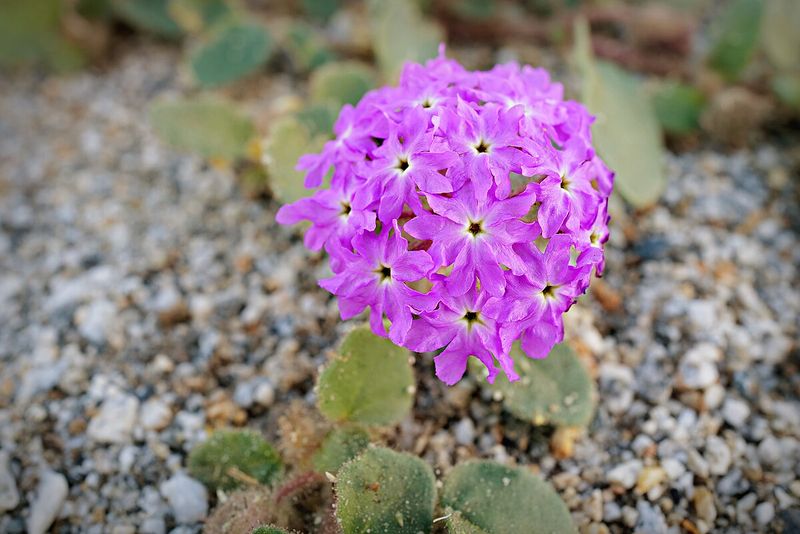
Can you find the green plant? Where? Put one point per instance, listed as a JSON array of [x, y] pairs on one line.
[[385, 491], [735, 37], [484, 496], [678, 107], [340, 446], [340, 83], [207, 126], [289, 139], [370, 381], [555, 390], [233, 51], [148, 15], [232, 458], [626, 133]]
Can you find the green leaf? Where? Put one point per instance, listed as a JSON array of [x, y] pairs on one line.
[[210, 127], [319, 118], [229, 457], [233, 52], [321, 9], [787, 89], [401, 34], [197, 15], [341, 83], [370, 381], [338, 447], [30, 35], [626, 133], [734, 37], [385, 491], [456, 524], [148, 15], [556, 390], [780, 37], [494, 498], [306, 49], [289, 139], [678, 107]]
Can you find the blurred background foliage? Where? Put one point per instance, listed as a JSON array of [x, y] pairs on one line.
[[669, 73]]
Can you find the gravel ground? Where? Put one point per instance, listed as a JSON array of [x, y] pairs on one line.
[[144, 301]]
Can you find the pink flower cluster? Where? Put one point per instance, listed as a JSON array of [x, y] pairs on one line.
[[467, 208]]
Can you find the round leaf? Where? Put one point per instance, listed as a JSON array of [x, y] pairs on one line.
[[289, 139], [341, 83], [494, 498], [370, 381], [385, 491], [555, 390], [234, 51], [338, 447], [232, 458], [212, 128]]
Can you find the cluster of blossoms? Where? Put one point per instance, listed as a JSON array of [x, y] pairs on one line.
[[467, 208]]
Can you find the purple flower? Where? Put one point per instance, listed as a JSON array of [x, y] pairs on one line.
[[476, 236], [421, 195], [374, 275], [460, 324]]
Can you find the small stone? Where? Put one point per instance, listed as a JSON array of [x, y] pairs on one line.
[[9, 494], [735, 412], [115, 420], [649, 478], [629, 516], [703, 502], [697, 464], [625, 474], [153, 525], [244, 394], [611, 512], [651, 518], [50, 495], [769, 450], [698, 368], [745, 505], [765, 513], [464, 431], [155, 414], [718, 455], [264, 394], [713, 396], [96, 320], [187, 497], [673, 468]]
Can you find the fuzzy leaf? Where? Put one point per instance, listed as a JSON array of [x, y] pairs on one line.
[[306, 49], [197, 15], [456, 524], [30, 34], [496, 498], [321, 9], [734, 37], [338, 447], [289, 139], [787, 89], [554, 390], [234, 51], [626, 133], [400, 34], [149, 15], [385, 491], [780, 37], [319, 118], [370, 381], [230, 457], [209, 127], [678, 107], [341, 83]]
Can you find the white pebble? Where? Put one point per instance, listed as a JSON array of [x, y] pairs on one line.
[[50, 495], [187, 497]]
